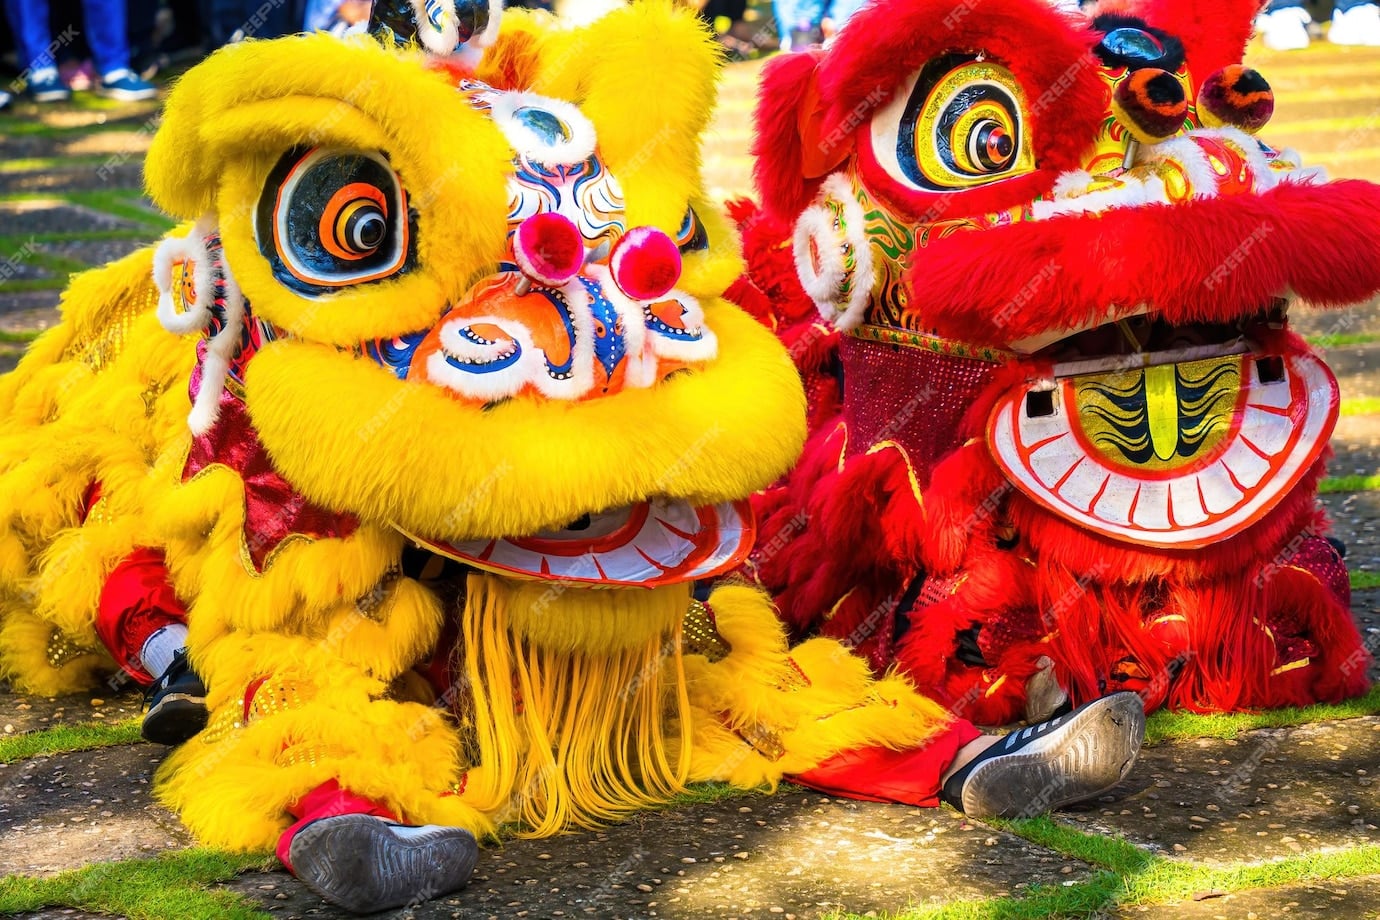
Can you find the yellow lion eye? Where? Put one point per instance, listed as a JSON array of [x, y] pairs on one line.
[[958, 123]]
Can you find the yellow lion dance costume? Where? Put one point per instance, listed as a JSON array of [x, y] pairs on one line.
[[441, 306]]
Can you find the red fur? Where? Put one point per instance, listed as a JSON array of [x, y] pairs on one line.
[[1205, 260], [1260, 619], [778, 148], [770, 290], [886, 42]]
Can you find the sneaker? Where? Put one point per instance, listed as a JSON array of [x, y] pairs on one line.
[[366, 864], [44, 86], [4, 100], [125, 86], [1284, 30], [1359, 25], [1068, 759], [177, 704]]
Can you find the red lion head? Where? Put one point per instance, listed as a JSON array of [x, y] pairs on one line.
[[1075, 424]]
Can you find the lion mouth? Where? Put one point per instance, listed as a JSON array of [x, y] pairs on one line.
[[1168, 436], [646, 544], [1144, 338]]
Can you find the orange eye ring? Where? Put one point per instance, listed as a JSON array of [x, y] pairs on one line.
[[354, 222]]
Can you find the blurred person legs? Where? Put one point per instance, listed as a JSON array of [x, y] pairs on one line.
[[837, 14], [334, 16], [799, 22], [1284, 25], [1355, 22], [104, 32], [231, 21]]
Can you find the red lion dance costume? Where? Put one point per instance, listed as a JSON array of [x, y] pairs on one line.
[[1076, 436]]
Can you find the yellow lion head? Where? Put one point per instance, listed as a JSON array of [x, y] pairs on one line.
[[481, 304]]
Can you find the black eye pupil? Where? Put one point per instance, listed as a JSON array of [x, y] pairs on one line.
[[991, 146], [366, 228]]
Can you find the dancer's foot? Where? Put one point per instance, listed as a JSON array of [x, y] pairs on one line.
[[177, 704], [1035, 770], [365, 863]]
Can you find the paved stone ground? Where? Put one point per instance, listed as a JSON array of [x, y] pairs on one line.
[[69, 197]]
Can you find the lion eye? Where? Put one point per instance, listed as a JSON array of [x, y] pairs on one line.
[[956, 124], [332, 218], [691, 237]]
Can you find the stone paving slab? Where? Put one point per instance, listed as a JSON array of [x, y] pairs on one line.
[[53, 215], [1355, 446], [794, 854], [114, 173], [93, 253], [1264, 795], [21, 713], [70, 810], [1352, 899], [1354, 367], [1355, 520]]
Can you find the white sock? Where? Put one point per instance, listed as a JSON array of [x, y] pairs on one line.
[[159, 648]]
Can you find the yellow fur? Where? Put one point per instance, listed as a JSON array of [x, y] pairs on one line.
[[579, 704], [222, 133], [709, 435]]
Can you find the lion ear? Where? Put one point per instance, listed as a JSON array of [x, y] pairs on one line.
[[794, 148]]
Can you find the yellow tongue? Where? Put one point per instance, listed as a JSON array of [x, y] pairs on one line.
[[1162, 408]]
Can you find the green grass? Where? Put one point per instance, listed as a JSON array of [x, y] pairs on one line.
[[1349, 484], [25, 126], [124, 203], [1165, 725], [1342, 339], [17, 241], [1361, 405], [64, 739], [1139, 878], [1361, 581], [45, 164], [19, 338], [169, 885]]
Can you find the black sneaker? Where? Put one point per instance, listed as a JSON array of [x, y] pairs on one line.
[[1068, 759], [366, 864], [177, 704]]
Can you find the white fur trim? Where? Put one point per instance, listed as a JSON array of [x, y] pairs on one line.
[[531, 366], [1183, 152], [489, 35], [221, 349], [503, 107], [817, 226], [437, 41], [176, 249], [494, 385], [1133, 193]]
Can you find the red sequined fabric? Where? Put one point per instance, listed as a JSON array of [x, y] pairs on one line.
[[273, 509], [908, 395]]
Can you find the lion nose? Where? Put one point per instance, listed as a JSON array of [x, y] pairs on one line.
[[549, 249], [1237, 96], [645, 263], [1151, 105]]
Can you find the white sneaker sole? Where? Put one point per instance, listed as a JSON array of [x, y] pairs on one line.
[[360, 864], [1079, 760]]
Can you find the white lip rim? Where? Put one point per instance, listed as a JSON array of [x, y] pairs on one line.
[[736, 529], [1002, 438]]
